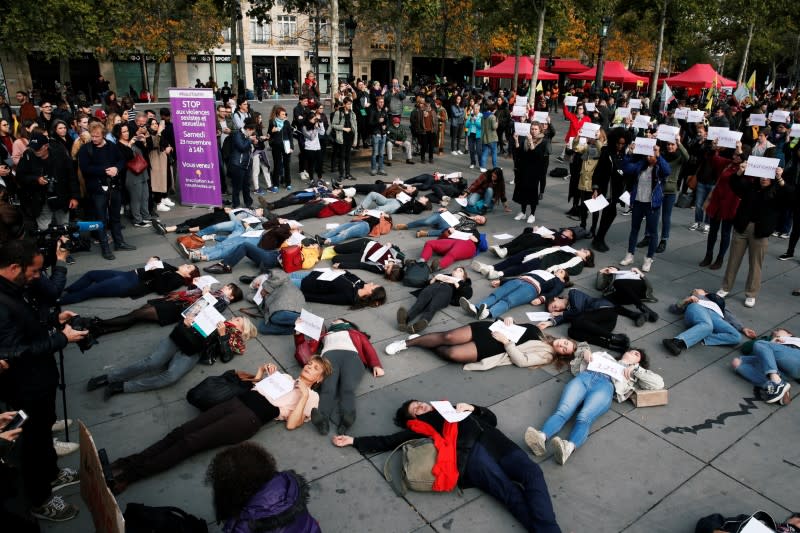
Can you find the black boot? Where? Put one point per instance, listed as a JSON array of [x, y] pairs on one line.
[[182, 228], [662, 246], [644, 242], [97, 382], [639, 319], [600, 245], [651, 315], [619, 342], [718, 263], [112, 389], [320, 422], [707, 259]]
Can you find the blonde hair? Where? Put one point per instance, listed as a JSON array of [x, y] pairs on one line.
[[249, 330]]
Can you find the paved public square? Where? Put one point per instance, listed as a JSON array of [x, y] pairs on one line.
[[658, 469]]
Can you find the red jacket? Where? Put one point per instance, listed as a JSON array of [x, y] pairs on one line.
[[366, 352], [339, 207], [723, 202], [575, 123]]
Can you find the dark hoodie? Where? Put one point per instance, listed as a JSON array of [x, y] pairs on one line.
[[279, 507]]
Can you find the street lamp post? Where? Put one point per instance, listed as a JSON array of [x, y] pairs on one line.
[[552, 42], [605, 22], [683, 62], [350, 24]]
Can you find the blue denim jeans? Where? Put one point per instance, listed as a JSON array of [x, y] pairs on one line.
[[700, 194], [642, 210], [262, 258], [707, 326], [490, 148], [434, 221], [349, 230], [769, 358], [666, 215], [592, 389], [278, 323], [100, 283], [298, 277], [487, 197], [378, 145], [475, 149], [221, 249], [229, 226], [509, 294], [170, 364], [517, 482]]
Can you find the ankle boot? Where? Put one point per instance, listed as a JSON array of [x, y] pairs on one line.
[[718, 263], [639, 319], [97, 382], [706, 260], [112, 389], [619, 342], [651, 315]]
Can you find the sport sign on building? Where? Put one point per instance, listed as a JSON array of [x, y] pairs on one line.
[[194, 120]]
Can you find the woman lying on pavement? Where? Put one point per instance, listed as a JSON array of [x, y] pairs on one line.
[[230, 422], [305, 195], [595, 390], [166, 310], [370, 224], [350, 353], [709, 322], [322, 208], [270, 233], [176, 355], [156, 276], [441, 291], [765, 362], [534, 287], [452, 246], [482, 456], [345, 289], [193, 225], [265, 254], [530, 240], [466, 223], [629, 287], [475, 343], [550, 258], [366, 254]]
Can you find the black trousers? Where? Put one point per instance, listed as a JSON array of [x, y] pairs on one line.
[[609, 212], [38, 458], [594, 326], [432, 298], [426, 142]]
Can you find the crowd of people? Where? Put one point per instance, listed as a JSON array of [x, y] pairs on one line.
[[55, 170]]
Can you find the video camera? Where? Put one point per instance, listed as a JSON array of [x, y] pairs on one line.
[[47, 240]]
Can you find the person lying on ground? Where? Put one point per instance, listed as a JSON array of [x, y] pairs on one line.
[[534, 287], [367, 254], [441, 291], [767, 361], [552, 258]]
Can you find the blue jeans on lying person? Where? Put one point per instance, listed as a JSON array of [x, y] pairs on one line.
[[434, 221], [165, 366], [278, 323], [487, 197], [221, 249], [298, 277], [509, 294], [769, 358], [707, 326], [594, 391], [349, 230], [264, 259], [99, 283]]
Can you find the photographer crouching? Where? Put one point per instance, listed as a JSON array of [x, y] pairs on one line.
[[30, 334]]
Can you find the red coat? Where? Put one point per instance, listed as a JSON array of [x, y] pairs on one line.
[[575, 123], [339, 207], [366, 352], [722, 203]]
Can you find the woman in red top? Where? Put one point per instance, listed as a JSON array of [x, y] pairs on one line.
[[721, 204], [576, 120]]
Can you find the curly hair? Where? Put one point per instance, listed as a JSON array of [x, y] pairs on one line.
[[236, 474]]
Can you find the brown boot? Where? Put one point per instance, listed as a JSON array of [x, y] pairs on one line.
[[422, 233], [401, 226], [717, 264]]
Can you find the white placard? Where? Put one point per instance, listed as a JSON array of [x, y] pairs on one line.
[[590, 106], [681, 113], [460, 235], [309, 324], [538, 316], [329, 274], [695, 116], [204, 281], [708, 304], [596, 204], [258, 297], [644, 146], [715, 131], [444, 278], [513, 332], [275, 386], [569, 249], [503, 236], [544, 232], [667, 133], [253, 233], [461, 201], [204, 315], [402, 197], [755, 526], [622, 112], [521, 100], [625, 274], [779, 116], [789, 341], [331, 225], [380, 252], [373, 213], [641, 121], [570, 101], [606, 366], [729, 139], [519, 111], [625, 198], [294, 224], [795, 131], [635, 103], [761, 167], [153, 264], [252, 220], [449, 412], [522, 129], [295, 238], [589, 129], [450, 218], [758, 119], [541, 116], [544, 275]]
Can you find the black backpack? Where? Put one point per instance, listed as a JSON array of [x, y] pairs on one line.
[[417, 275], [140, 518]]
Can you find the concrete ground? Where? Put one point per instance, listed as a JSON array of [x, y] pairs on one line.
[[657, 469]]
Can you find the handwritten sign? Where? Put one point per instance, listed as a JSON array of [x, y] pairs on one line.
[[570, 101], [589, 130], [795, 131], [715, 131], [309, 324], [449, 412], [541, 116], [667, 133], [450, 218], [635, 103], [729, 139], [758, 119], [681, 113], [590, 107], [761, 167], [607, 366], [641, 121], [779, 116], [622, 112], [522, 129], [695, 116], [644, 146], [275, 386], [513, 332], [519, 111]]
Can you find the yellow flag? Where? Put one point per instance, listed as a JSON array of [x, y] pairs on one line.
[[710, 104], [751, 83], [539, 86]]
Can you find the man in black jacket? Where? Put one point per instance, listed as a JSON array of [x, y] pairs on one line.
[[30, 376], [378, 124]]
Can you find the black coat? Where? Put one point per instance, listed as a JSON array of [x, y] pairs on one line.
[[530, 169], [760, 205]]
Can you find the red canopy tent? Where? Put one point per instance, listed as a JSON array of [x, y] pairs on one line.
[[505, 69], [565, 66], [612, 71], [699, 76]]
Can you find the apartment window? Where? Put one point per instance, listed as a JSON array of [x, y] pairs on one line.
[[287, 29], [226, 35], [324, 30], [260, 33]]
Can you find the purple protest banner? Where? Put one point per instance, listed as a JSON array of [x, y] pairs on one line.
[[194, 119]]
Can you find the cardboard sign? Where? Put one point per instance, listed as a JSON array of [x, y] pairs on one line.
[[106, 513], [761, 167]]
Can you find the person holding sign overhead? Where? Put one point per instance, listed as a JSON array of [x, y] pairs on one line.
[[530, 168], [599, 378], [274, 396]]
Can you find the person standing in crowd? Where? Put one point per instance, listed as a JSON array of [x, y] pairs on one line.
[[378, 121], [282, 144], [489, 136], [456, 125], [473, 130], [608, 172], [344, 123], [530, 168], [426, 125]]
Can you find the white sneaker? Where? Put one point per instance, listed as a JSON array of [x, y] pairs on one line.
[[459, 152], [472, 166], [477, 266], [482, 169], [562, 449], [722, 293], [520, 216], [749, 302], [693, 226], [706, 228], [494, 274], [65, 448], [162, 207], [536, 441], [627, 261], [647, 264], [210, 237], [483, 312], [499, 251], [398, 346], [304, 175], [454, 152], [61, 425], [531, 219], [445, 201], [168, 202], [468, 307]]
